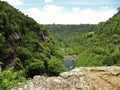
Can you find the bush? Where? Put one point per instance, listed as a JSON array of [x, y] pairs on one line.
[[8, 78], [56, 66]]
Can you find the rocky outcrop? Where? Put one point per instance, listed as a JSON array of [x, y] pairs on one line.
[[15, 36], [83, 78]]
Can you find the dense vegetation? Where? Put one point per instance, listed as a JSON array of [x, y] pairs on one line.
[[65, 32], [26, 48], [99, 47], [93, 45]]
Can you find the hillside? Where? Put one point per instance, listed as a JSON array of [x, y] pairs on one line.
[[26, 48], [99, 47], [93, 45], [65, 32]]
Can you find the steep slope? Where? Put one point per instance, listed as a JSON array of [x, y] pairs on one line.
[[26, 45], [99, 47]]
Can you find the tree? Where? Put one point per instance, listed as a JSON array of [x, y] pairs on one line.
[[56, 66]]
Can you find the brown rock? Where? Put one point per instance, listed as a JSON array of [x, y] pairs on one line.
[[83, 78]]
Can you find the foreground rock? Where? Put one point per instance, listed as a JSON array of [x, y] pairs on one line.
[[83, 78]]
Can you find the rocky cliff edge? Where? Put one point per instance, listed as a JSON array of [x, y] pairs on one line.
[[83, 78]]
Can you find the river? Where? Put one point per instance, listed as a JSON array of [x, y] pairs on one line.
[[68, 62]]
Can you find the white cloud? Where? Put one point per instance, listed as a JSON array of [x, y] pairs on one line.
[[105, 7], [94, 17], [14, 2], [47, 15], [48, 1], [50, 14], [51, 8], [39, 15], [75, 9]]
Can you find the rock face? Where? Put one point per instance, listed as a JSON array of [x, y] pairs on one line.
[[83, 78]]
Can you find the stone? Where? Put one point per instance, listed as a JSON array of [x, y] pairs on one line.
[[82, 78]]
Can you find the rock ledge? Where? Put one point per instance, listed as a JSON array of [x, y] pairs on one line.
[[83, 78]]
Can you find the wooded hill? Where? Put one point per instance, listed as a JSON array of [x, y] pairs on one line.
[[64, 32], [94, 45], [99, 47], [26, 48]]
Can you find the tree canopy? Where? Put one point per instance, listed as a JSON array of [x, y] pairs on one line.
[[25, 46]]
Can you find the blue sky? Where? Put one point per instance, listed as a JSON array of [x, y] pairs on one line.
[[67, 11]]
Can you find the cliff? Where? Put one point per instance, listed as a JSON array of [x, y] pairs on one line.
[[83, 78]]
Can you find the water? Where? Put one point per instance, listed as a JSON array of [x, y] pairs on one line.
[[68, 62]]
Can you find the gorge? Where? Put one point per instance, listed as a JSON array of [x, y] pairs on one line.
[[31, 57]]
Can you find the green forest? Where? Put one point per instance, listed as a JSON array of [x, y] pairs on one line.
[[98, 45], [64, 32], [28, 48]]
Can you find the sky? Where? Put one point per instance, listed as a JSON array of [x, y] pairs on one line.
[[67, 11]]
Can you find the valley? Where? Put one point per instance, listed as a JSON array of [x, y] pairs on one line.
[[98, 45], [28, 49]]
